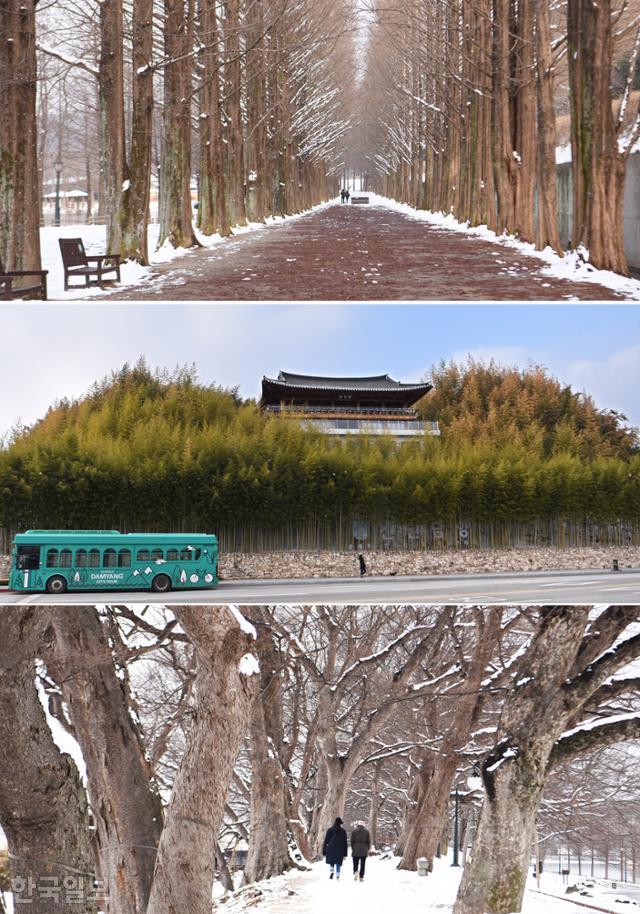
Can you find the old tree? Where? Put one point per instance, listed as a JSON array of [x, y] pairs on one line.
[[205, 727]]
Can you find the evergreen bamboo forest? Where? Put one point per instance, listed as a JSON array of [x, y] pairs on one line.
[[147, 450]]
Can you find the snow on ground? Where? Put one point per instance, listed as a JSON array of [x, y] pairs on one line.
[[386, 889], [94, 238], [571, 266]]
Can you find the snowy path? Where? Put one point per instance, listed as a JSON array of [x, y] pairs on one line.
[[363, 253], [384, 890], [384, 251]]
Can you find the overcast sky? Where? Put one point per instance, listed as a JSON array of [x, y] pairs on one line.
[[51, 352]]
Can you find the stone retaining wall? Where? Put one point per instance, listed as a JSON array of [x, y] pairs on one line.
[[345, 564]]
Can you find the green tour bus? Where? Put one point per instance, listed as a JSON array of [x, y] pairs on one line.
[[56, 561]]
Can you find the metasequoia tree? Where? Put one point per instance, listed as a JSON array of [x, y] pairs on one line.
[[458, 111], [213, 212], [175, 213], [573, 653], [264, 77], [43, 807], [19, 184], [600, 143]]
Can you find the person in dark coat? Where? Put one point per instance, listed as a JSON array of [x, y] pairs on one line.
[[335, 847], [360, 844], [363, 565]]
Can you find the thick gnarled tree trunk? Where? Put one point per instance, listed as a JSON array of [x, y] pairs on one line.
[[534, 716], [225, 686], [126, 807], [43, 806], [270, 838]]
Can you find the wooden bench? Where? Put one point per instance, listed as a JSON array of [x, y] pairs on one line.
[[359, 199], [76, 263], [9, 291]]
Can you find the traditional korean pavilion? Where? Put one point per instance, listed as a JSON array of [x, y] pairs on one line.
[[375, 405]]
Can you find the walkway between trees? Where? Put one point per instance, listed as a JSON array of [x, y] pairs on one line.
[[384, 889], [351, 253]]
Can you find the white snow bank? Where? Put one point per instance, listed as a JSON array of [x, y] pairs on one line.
[[571, 266], [94, 238]]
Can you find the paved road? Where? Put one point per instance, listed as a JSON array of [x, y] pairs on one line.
[[357, 253], [542, 587]]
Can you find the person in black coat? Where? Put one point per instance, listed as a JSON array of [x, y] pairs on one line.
[[335, 847]]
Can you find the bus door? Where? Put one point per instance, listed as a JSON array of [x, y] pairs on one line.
[[27, 564]]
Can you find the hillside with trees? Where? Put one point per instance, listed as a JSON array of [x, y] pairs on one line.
[[157, 450]]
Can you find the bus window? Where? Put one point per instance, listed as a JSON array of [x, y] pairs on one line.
[[172, 555], [124, 558], [81, 558], [28, 558], [110, 559], [65, 558], [156, 554], [143, 555], [185, 555], [52, 558], [94, 558]]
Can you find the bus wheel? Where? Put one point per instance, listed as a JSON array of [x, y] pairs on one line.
[[161, 583], [56, 584]]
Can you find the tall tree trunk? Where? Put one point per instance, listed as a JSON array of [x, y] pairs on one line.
[[547, 229], [269, 835], [111, 106], [503, 160], [534, 716], [135, 199], [430, 815], [524, 107], [258, 186], [19, 199], [374, 808], [213, 211], [176, 225], [233, 104], [185, 866], [126, 807], [334, 799], [43, 806], [598, 167]]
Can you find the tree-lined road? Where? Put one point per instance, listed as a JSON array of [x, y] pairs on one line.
[[357, 253], [567, 587]]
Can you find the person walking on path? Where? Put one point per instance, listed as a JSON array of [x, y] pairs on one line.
[[360, 844], [363, 565], [335, 847]]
